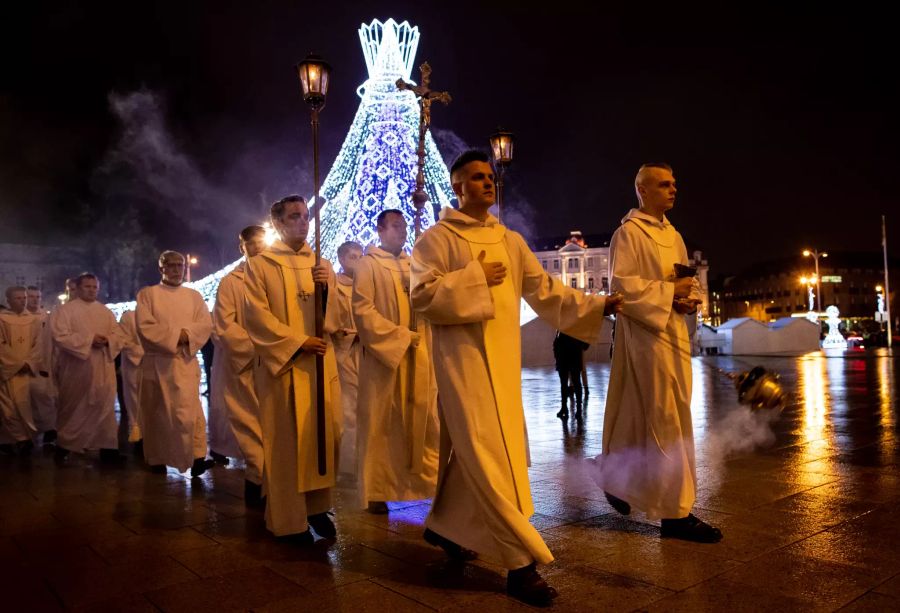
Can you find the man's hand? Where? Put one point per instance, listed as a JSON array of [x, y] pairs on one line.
[[683, 287], [99, 341], [613, 304], [494, 272], [347, 332], [685, 306], [183, 338], [314, 345], [320, 274], [414, 339]]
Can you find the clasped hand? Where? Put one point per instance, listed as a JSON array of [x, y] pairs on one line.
[[494, 272]]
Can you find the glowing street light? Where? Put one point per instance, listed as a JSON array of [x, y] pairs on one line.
[[502, 143], [809, 282], [815, 254], [189, 260]]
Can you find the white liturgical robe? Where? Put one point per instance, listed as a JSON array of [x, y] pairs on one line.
[[346, 352], [43, 387], [397, 415], [648, 441], [483, 499], [86, 375], [19, 347], [233, 372], [171, 414], [130, 366], [280, 317]]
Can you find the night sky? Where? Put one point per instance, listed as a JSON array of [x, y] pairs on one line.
[[781, 123]]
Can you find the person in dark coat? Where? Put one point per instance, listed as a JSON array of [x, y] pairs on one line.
[[569, 355]]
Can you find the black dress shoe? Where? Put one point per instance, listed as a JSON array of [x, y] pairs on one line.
[[24, 447], [111, 457], [60, 456], [690, 528], [218, 458], [49, 437], [618, 504], [453, 551], [138, 448], [7, 449], [563, 413], [253, 497], [323, 525], [201, 465], [527, 585], [158, 469], [376, 507], [303, 539]]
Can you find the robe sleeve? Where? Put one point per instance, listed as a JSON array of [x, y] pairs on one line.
[[380, 336], [133, 350], [155, 335], [115, 337], [77, 344], [200, 328], [569, 310], [237, 343], [647, 301], [276, 343], [332, 322], [444, 296]]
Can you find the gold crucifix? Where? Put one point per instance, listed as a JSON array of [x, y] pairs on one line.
[[304, 295]]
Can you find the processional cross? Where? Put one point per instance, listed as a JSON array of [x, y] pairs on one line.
[[426, 96]]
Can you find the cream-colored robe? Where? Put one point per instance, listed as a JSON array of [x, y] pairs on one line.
[[19, 345], [233, 371], [398, 432], [648, 443], [43, 388], [171, 414], [280, 316], [346, 352], [130, 366], [86, 375], [483, 500]]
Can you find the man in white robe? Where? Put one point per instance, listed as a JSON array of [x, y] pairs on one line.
[[173, 322], [43, 390], [88, 340], [233, 392], [20, 363], [397, 415], [648, 444], [280, 318], [346, 352], [469, 274], [130, 366]]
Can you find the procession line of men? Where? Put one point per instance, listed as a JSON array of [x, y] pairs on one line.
[[400, 333]]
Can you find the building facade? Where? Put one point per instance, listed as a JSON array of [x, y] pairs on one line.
[[46, 268]]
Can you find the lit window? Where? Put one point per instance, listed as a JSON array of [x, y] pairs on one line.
[[555, 264], [574, 282], [590, 282]]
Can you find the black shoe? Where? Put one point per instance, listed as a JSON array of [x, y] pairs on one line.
[[253, 497], [137, 449], [218, 458], [24, 447], [527, 585], [111, 457], [563, 413], [303, 539], [60, 456], [201, 465], [377, 508], [49, 437], [690, 529], [618, 504], [158, 469], [453, 551], [7, 449], [323, 525]]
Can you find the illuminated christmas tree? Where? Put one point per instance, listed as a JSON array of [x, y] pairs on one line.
[[376, 166]]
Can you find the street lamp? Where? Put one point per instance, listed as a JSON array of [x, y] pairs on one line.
[[189, 261], [809, 282], [502, 149], [314, 73], [815, 254]]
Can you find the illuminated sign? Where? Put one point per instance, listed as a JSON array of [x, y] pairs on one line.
[[831, 278]]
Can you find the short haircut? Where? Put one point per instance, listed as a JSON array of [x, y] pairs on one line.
[[466, 157], [379, 221], [277, 209], [168, 253], [14, 288], [348, 246], [33, 288], [85, 275], [250, 231], [662, 165]]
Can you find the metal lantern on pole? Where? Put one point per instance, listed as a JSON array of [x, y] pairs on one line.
[[314, 73], [502, 143]]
